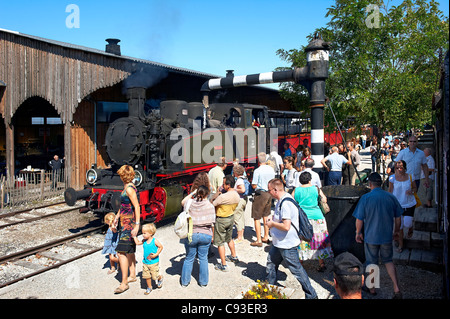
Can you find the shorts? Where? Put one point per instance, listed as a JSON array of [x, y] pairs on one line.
[[408, 217], [261, 205], [223, 230], [239, 218], [407, 222], [374, 252], [429, 190], [150, 271]]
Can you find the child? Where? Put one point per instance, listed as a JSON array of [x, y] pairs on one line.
[[150, 263], [110, 244]]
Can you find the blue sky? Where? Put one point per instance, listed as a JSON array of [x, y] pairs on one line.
[[208, 36]]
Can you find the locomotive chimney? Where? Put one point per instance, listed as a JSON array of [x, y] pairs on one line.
[[136, 101], [113, 46]]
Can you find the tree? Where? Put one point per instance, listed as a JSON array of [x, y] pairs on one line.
[[384, 62]]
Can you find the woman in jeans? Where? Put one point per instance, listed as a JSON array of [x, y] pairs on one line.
[[203, 216]]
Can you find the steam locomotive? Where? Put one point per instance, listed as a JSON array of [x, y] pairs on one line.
[[169, 146], [164, 148]]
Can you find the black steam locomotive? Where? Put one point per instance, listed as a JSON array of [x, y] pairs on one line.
[[169, 147]]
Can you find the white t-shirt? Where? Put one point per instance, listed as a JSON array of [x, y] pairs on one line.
[[431, 165], [292, 178], [315, 178], [283, 239], [400, 188], [414, 161]]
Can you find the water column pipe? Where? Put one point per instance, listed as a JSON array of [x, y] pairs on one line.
[[317, 60], [312, 77]]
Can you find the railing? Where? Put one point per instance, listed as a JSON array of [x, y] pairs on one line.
[[31, 187]]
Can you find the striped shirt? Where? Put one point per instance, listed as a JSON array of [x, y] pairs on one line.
[[203, 216]]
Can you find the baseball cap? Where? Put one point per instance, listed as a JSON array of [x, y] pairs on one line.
[[345, 264]]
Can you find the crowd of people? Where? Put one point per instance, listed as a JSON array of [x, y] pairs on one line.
[[217, 203]]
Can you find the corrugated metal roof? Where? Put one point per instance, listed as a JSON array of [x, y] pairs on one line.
[[96, 51]]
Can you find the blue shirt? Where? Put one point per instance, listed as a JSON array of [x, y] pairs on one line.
[[150, 248], [377, 210], [262, 175], [287, 152], [337, 161]]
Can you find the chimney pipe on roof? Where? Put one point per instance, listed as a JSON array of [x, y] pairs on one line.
[[113, 46]]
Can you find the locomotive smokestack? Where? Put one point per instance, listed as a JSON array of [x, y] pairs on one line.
[[113, 46], [136, 101]]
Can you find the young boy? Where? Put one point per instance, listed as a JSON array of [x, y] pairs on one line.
[[150, 263]]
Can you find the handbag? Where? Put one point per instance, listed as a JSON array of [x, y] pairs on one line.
[[183, 225], [323, 205], [419, 203]]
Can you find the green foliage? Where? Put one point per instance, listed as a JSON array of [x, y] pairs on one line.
[[384, 61]]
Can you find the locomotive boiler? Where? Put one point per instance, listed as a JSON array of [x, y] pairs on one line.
[[167, 148]]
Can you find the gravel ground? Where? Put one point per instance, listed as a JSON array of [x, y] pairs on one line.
[[87, 278], [17, 237]]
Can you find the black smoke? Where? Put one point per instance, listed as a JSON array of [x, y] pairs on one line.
[[145, 76]]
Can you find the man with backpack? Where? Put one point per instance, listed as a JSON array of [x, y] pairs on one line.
[[285, 240]]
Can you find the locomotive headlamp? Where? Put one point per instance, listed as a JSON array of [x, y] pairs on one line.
[[137, 178], [91, 176]]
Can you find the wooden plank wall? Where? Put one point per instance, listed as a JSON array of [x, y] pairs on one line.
[[61, 75], [83, 144]]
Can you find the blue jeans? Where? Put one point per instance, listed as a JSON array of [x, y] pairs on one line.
[[290, 256], [200, 244], [334, 178], [373, 157], [373, 252]]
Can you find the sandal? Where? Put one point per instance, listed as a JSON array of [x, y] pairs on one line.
[[111, 271], [369, 291], [322, 268], [120, 290], [410, 233], [132, 280], [400, 250], [398, 295]]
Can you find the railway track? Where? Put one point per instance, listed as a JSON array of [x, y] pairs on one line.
[[53, 248], [38, 259], [34, 214]]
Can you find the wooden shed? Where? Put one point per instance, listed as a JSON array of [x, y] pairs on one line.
[[74, 80]]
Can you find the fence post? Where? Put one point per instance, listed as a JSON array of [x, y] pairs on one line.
[[42, 183], [3, 191]]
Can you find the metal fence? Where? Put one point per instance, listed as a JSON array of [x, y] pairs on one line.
[[31, 187]]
